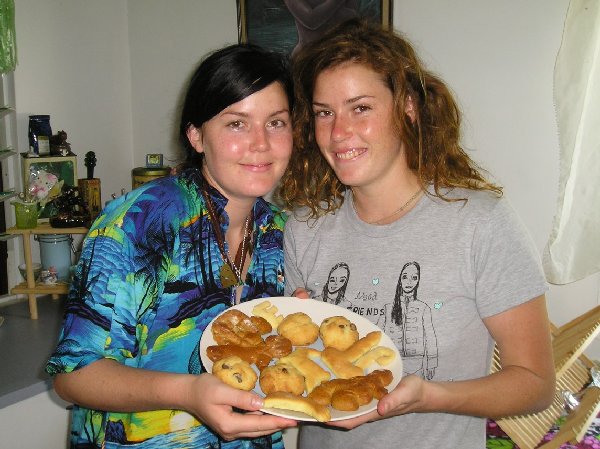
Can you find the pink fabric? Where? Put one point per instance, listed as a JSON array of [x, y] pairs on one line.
[[497, 439]]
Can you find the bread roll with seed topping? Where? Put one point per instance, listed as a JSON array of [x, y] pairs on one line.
[[338, 332], [235, 372]]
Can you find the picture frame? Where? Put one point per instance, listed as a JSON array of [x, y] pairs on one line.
[[63, 167], [154, 160], [271, 24]]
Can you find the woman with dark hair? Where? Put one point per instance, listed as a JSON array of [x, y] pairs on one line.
[[160, 262], [378, 178]]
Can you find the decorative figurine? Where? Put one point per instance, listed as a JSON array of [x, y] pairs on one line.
[[43, 187], [59, 145], [90, 186], [49, 276], [90, 163], [70, 209]]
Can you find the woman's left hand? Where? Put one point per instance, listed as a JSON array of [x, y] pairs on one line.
[[407, 397]]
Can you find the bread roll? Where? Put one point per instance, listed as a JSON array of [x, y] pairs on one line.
[[281, 377], [299, 328], [235, 372], [287, 401], [338, 332]]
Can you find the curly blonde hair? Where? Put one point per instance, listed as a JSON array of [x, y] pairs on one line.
[[432, 139]]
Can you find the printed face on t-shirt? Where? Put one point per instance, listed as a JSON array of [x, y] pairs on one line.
[[337, 279], [409, 278]]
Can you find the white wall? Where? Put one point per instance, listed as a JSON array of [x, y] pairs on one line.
[[110, 74], [167, 40], [42, 421], [499, 57], [73, 63]]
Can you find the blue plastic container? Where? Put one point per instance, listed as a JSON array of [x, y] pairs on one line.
[[55, 251]]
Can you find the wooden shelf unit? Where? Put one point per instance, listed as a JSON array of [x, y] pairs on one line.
[[30, 287], [9, 178]]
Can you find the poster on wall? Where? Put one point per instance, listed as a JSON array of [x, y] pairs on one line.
[[284, 25]]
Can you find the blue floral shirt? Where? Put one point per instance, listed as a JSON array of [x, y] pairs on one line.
[[145, 288]]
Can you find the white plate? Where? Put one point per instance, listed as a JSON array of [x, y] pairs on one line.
[[318, 311]]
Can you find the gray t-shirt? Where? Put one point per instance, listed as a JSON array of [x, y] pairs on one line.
[[427, 280]]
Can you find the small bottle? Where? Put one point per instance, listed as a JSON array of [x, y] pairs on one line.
[[39, 135]]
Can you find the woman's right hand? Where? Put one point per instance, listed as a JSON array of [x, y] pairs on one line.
[[213, 403], [135, 390]]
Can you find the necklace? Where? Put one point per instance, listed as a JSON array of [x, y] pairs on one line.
[[231, 271], [240, 258], [396, 212]]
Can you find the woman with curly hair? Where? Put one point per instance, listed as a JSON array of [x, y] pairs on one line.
[[377, 179]]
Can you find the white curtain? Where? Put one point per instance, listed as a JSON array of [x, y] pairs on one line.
[[573, 250]]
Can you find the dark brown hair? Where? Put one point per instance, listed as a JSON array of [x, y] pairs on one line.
[[224, 77]]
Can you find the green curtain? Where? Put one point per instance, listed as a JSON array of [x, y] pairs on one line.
[[8, 43]]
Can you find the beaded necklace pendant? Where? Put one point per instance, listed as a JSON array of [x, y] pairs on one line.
[[231, 271], [228, 277]]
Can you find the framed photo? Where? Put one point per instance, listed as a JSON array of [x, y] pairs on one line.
[[43, 174], [280, 24], [154, 160]]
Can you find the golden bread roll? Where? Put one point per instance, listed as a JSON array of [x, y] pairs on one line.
[[299, 328], [339, 364], [338, 332], [235, 327], [263, 326], [381, 377], [256, 355], [349, 394], [357, 392], [362, 346], [235, 372], [268, 311], [288, 401], [281, 377], [278, 346], [379, 355], [345, 400], [323, 393], [302, 360], [274, 346], [361, 389]]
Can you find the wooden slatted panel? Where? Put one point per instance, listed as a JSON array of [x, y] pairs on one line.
[[575, 426], [573, 337], [572, 374], [528, 430]]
